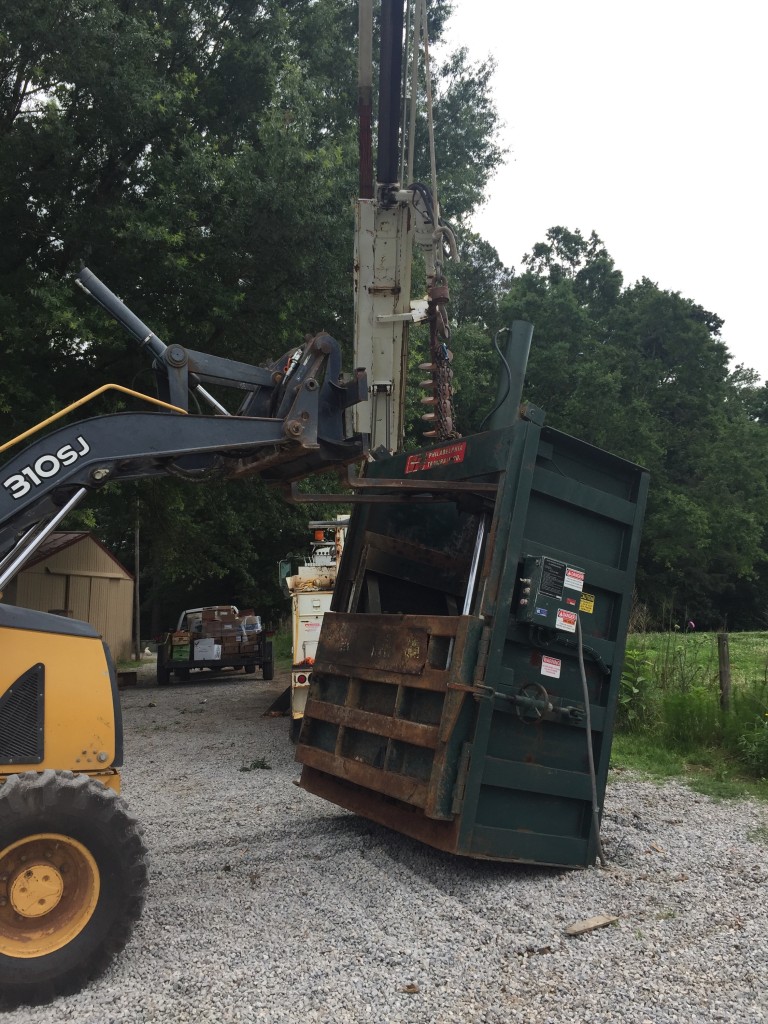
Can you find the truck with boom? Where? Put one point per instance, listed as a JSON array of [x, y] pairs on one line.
[[309, 586]]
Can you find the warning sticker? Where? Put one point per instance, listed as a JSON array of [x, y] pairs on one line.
[[444, 456], [574, 578], [566, 620], [552, 576], [550, 666], [587, 603]]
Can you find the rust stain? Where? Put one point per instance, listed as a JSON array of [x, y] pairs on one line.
[[412, 648]]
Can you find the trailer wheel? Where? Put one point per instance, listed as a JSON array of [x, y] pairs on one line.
[[183, 674], [73, 875], [249, 669], [163, 674], [268, 665]]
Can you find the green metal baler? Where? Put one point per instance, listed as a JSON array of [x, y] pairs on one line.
[[485, 584]]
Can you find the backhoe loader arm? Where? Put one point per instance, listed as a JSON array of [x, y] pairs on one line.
[[270, 391], [292, 422]]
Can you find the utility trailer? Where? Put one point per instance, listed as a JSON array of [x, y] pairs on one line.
[[466, 679], [215, 638]]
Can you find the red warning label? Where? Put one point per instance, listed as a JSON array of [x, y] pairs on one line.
[[445, 456], [566, 620], [574, 578], [550, 666]]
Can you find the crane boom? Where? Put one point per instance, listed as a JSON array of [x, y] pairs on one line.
[[391, 219]]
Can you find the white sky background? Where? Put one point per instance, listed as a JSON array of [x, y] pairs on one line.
[[645, 122]]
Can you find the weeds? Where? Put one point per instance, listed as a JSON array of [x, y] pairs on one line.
[[711, 772], [281, 647], [691, 718], [634, 707], [669, 711], [753, 745], [257, 764], [759, 835]]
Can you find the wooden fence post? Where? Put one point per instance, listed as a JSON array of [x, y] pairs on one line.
[[724, 663]]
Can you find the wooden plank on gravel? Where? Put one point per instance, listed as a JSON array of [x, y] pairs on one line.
[[590, 924]]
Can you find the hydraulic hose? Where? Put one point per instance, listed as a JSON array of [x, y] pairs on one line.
[[590, 752]]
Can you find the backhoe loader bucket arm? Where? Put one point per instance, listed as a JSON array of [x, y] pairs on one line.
[[269, 390], [291, 423]]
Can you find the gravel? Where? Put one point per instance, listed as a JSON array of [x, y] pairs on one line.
[[269, 904]]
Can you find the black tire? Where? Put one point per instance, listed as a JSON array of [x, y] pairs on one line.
[[268, 665], [58, 820], [294, 729], [249, 669], [184, 674], [163, 674]]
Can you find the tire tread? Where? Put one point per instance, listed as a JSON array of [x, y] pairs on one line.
[[50, 793]]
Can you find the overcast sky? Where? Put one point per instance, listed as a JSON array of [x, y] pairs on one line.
[[645, 122]]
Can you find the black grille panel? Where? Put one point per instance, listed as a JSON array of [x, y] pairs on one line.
[[21, 719]]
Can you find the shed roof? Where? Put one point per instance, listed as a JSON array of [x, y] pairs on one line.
[[59, 541]]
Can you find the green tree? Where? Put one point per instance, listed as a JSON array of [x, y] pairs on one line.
[[201, 159], [467, 126], [643, 372]]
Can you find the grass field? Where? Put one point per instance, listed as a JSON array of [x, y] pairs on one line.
[[686, 659], [670, 721]]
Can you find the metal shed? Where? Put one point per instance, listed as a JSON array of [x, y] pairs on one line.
[[73, 574]]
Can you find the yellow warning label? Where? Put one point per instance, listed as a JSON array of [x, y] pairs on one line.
[[587, 603]]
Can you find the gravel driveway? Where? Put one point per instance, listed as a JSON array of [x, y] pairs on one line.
[[268, 904]]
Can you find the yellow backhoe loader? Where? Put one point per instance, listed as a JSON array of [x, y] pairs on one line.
[[73, 869]]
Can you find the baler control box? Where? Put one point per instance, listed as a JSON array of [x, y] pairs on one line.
[[549, 593]]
